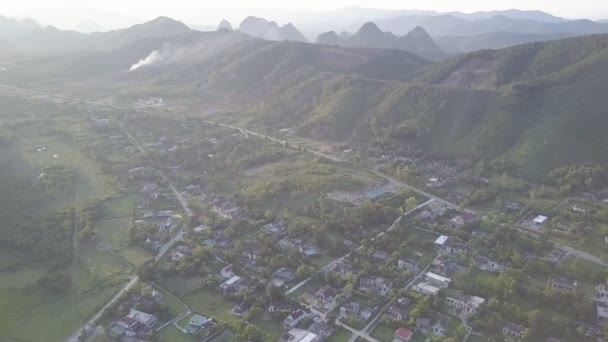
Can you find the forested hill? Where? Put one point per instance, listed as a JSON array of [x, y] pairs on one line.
[[527, 109]]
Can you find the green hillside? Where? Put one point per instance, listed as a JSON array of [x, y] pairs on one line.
[[527, 109]]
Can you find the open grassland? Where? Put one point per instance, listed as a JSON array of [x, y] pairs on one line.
[[23, 305]]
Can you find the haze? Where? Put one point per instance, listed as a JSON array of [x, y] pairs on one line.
[[91, 15]]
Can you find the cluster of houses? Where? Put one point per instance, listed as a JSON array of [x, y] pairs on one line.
[[137, 324], [222, 206], [298, 245]]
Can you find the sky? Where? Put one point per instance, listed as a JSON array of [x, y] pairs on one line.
[[73, 13]]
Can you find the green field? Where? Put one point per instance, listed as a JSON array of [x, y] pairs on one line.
[[210, 304], [94, 281], [383, 333], [340, 335], [172, 334]]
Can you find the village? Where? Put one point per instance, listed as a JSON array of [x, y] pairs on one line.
[[426, 274]]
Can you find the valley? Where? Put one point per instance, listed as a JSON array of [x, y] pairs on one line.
[[161, 183]]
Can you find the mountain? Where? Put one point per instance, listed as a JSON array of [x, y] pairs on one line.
[[524, 110], [30, 37], [224, 26], [513, 14], [352, 17], [495, 40], [416, 41], [270, 30], [449, 25]]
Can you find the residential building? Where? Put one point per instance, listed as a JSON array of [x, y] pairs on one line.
[[227, 272], [423, 324], [321, 329], [294, 319], [327, 295], [467, 304], [381, 256], [397, 313], [601, 293], [231, 285], [299, 335], [486, 264], [143, 318], [408, 264], [563, 284], [437, 280], [426, 289], [197, 322], [602, 312], [512, 330], [379, 285], [350, 309], [441, 241], [345, 269], [440, 326], [540, 220], [285, 273], [403, 335]]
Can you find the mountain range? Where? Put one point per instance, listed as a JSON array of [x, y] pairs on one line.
[[29, 37], [369, 35], [525, 110], [450, 25], [270, 30]]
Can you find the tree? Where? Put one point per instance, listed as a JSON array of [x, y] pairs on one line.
[[411, 203]]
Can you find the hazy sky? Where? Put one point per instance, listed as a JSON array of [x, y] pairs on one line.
[[66, 13]]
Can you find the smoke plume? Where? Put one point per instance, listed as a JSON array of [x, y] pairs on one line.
[[152, 58]]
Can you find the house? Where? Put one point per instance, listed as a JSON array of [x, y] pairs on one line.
[[437, 280], [579, 210], [440, 327], [437, 209], [227, 272], [241, 309], [423, 324], [466, 219], [143, 318], [486, 264], [284, 273], [512, 330], [453, 248], [309, 251], [321, 329], [367, 313], [278, 307], [403, 335], [397, 313], [327, 295], [602, 312], [404, 302], [299, 335], [345, 269], [426, 289], [441, 241], [434, 183], [589, 329], [468, 304], [350, 309], [540, 221], [197, 322], [381, 256], [601, 293], [379, 285], [563, 284], [408, 264], [294, 319], [231, 285]]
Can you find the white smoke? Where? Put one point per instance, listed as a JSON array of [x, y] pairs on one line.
[[152, 58]]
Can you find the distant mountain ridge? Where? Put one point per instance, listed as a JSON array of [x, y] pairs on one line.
[[270, 30], [493, 40], [28, 36], [450, 25], [417, 41]]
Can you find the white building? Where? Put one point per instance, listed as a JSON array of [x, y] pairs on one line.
[[437, 280]]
